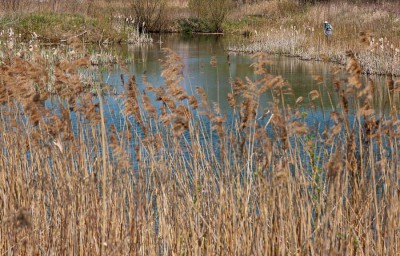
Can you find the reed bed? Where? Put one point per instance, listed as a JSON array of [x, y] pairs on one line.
[[170, 173], [370, 30]]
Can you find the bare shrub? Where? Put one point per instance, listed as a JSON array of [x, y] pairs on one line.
[[149, 14], [212, 11]]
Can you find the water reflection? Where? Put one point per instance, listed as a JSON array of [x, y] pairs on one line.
[[196, 52]]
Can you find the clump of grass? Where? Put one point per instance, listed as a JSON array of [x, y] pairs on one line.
[[136, 37], [174, 176], [194, 25], [282, 41]]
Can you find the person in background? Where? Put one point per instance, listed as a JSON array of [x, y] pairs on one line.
[[328, 30]]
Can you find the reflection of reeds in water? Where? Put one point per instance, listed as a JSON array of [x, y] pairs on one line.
[[180, 179]]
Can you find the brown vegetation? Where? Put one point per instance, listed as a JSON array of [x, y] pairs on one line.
[[372, 31], [174, 177]]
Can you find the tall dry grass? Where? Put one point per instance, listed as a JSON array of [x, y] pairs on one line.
[[370, 30], [177, 176]]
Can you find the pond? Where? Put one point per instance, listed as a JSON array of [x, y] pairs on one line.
[[197, 51]]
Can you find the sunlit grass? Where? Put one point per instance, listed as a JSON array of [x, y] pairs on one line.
[[368, 30], [174, 176]]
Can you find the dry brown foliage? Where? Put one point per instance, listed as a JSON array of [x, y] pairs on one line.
[[175, 176]]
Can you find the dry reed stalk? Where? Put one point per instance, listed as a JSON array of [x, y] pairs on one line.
[[266, 185]]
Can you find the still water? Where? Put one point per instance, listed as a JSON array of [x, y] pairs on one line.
[[196, 52]]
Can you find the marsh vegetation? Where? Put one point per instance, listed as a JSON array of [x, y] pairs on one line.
[[162, 169]]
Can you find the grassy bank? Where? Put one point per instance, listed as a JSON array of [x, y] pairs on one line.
[[55, 28], [372, 31], [52, 27], [99, 21], [174, 176]]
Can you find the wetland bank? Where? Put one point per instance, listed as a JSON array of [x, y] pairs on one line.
[[177, 146]]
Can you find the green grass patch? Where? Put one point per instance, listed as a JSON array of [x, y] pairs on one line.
[[40, 22], [52, 27], [194, 25]]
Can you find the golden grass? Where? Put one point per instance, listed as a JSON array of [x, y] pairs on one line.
[[177, 177], [371, 31]]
